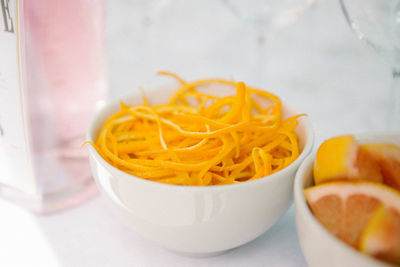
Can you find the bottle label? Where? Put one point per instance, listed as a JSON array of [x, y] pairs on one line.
[[15, 161]]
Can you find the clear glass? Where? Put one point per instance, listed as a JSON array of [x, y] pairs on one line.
[[377, 22], [267, 17], [64, 82], [270, 15]]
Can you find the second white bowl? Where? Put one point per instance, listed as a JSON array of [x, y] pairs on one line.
[[320, 247]]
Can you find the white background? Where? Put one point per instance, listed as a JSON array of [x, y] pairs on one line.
[[316, 64]]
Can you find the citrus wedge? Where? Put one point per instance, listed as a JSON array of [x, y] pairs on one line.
[[381, 236], [342, 158], [388, 159], [344, 208]]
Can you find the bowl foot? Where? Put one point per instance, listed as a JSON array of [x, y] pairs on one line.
[[199, 254]]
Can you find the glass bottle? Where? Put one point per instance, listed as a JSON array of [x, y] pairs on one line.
[[53, 82]]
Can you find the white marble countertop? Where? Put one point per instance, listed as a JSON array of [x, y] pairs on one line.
[[316, 64]]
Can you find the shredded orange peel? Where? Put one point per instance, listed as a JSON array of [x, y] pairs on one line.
[[201, 139]]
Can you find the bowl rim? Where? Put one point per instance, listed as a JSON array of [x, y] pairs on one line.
[[108, 107], [302, 206]]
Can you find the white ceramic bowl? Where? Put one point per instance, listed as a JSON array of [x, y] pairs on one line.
[[198, 221], [319, 247]]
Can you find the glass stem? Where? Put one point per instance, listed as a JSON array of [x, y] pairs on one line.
[[261, 73], [394, 112]]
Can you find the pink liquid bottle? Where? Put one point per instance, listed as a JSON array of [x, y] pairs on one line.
[[51, 83]]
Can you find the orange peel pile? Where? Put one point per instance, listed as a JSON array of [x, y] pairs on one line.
[[201, 139]]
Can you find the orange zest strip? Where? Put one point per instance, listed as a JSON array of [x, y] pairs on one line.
[[198, 139]]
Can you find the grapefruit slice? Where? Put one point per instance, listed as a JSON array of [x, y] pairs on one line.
[[342, 158], [388, 158], [344, 208], [381, 236]]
